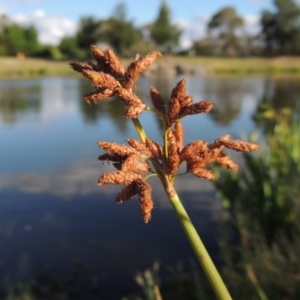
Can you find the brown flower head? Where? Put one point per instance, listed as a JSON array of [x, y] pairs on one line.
[[109, 78], [146, 203], [138, 66], [109, 62], [199, 155], [157, 100]]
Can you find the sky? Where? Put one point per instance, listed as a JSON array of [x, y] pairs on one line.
[[55, 19]]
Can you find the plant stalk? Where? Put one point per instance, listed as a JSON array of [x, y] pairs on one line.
[[200, 251]]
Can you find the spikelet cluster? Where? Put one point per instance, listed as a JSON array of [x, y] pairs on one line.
[[109, 78], [130, 161]]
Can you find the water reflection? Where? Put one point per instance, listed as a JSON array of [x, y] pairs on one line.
[[282, 93], [49, 154], [229, 96], [15, 105], [112, 109]]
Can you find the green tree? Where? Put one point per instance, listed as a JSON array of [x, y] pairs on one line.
[[163, 32], [14, 38], [116, 31], [119, 32], [281, 29], [87, 33], [225, 23], [69, 48]]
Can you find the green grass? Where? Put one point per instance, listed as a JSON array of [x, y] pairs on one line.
[[209, 66], [244, 66], [30, 67]]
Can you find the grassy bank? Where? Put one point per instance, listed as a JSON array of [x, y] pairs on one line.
[[206, 66], [243, 66], [13, 67]]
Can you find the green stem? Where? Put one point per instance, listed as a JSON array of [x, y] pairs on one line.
[[200, 250], [189, 229], [139, 128]]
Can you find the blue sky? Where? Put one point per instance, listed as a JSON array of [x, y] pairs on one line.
[[56, 18]]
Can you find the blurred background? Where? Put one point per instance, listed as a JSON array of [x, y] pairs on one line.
[[62, 236]]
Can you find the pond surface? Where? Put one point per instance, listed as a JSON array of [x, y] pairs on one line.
[[52, 213]]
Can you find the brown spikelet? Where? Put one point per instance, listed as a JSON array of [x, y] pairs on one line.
[[227, 162], [146, 203], [192, 149], [155, 148], [94, 66], [140, 147], [141, 166], [134, 111], [218, 143], [173, 110], [98, 54], [108, 62], [118, 177], [98, 95], [79, 67], [149, 59], [211, 154], [136, 67], [239, 146], [187, 101], [117, 69], [137, 145], [157, 100], [135, 164], [116, 149], [198, 170], [175, 103], [225, 137], [173, 157], [179, 91], [101, 80], [197, 108], [179, 134], [127, 192], [128, 97]]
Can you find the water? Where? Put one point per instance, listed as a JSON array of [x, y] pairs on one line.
[[52, 213]]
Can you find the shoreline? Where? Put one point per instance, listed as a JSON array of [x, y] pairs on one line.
[[167, 66]]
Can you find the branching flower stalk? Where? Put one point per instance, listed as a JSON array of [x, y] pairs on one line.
[[135, 161]]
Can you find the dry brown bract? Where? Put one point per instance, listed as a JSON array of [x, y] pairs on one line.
[[109, 78]]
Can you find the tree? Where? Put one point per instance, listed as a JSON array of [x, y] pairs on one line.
[[120, 33], [69, 48], [281, 29], [116, 31], [14, 38], [87, 33], [226, 22], [163, 32]]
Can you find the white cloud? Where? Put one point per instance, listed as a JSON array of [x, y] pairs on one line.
[[39, 13], [196, 29], [51, 28], [2, 10], [252, 23], [191, 30]]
